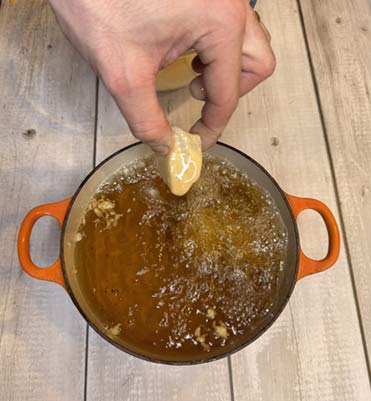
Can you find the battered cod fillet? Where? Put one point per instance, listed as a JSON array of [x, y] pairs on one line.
[[181, 168]]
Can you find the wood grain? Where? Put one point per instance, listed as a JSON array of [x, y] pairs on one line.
[[114, 375], [314, 351], [339, 37], [46, 135]]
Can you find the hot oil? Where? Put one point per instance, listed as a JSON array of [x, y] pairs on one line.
[[181, 276]]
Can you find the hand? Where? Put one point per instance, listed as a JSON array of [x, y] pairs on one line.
[[127, 42]]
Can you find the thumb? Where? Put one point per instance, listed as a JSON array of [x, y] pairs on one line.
[[138, 102]]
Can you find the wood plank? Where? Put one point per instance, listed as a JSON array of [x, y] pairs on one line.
[[112, 374], [314, 351], [339, 37], [46, 134]]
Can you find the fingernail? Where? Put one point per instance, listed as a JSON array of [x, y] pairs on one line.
[[162, 150]]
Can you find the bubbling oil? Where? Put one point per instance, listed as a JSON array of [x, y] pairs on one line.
[[181, 277]]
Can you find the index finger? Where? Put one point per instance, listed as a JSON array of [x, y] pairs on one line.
[[221, 81]]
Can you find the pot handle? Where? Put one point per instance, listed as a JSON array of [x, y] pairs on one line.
[[307, 265], [53, 272]]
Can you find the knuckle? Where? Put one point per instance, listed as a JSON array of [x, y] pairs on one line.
[[116, 83], [113, 77], [119, 83], [233, 14], [267, 65], [118, 80], [228, 102], [148, 131], [149, 126], [111, 72], [239, 14], [234, 101]]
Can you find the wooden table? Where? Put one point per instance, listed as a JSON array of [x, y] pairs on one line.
[[309, 125]]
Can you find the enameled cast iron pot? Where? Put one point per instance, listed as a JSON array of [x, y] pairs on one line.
[[68, 212]]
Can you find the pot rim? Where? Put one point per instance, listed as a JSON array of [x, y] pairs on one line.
[[281, 307]]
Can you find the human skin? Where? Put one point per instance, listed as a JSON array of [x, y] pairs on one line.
[[127, 42]]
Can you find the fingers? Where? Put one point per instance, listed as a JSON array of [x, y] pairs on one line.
[[135, 95], [265, 30], [258, 61], [219, 87], [197, 89], [220, 54]]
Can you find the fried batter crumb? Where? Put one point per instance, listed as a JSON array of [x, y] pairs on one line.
[[104, 209], [115, 330], [221, 330]]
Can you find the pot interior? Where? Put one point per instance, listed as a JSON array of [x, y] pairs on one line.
[[89, 188]]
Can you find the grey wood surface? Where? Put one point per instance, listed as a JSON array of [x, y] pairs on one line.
[[315, 349], [339, 38], [46, 144]]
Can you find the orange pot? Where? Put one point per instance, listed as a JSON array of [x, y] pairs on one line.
[[68, 212]]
